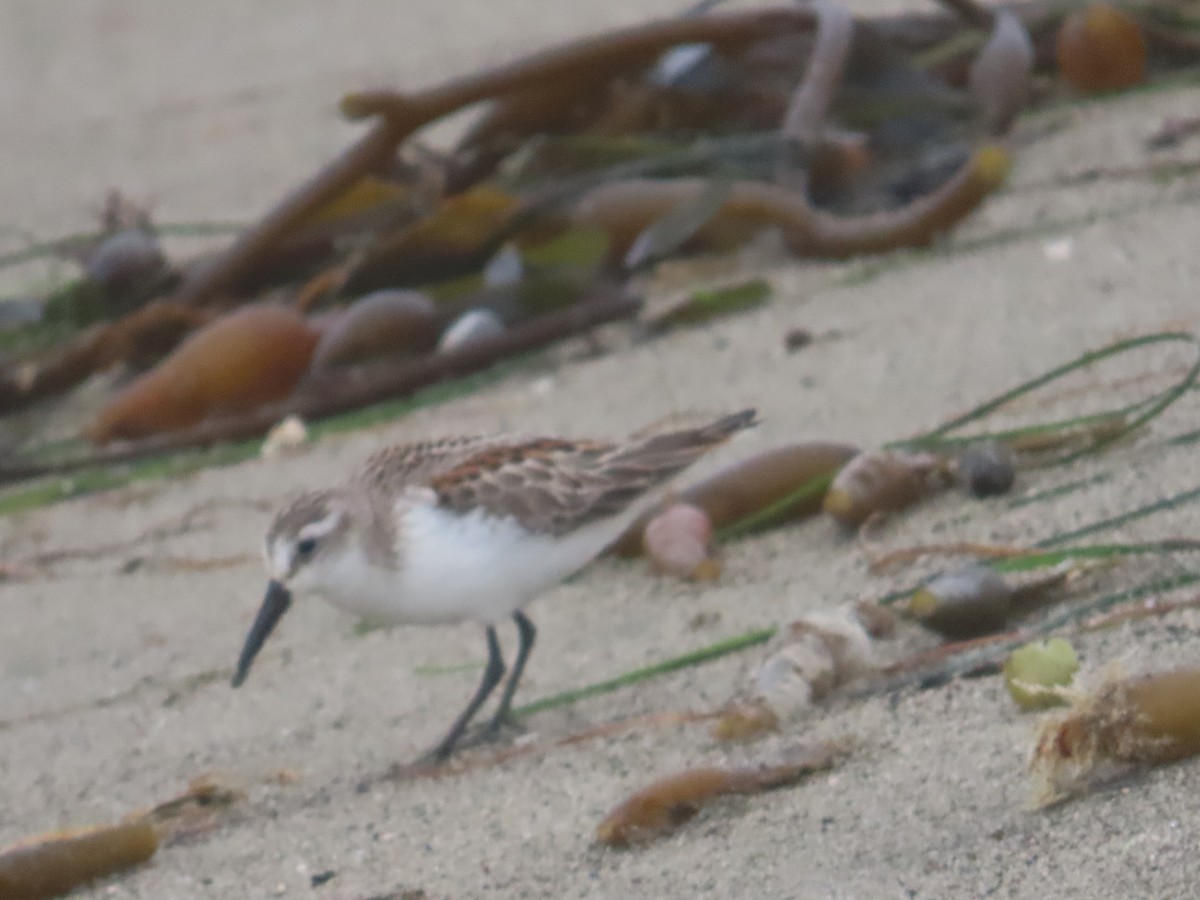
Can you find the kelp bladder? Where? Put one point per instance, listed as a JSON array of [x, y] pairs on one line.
[[242, 361]]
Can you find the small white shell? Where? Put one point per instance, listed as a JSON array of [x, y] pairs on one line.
[[284, 437], [505, 268], [824, 651], [471, 326], [793, 677], [1000, 75]]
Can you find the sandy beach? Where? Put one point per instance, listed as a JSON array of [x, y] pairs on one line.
[[115, 656]]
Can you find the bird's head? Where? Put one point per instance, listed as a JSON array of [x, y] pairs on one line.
[[304, 537]]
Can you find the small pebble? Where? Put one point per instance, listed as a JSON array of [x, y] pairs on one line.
[[967, 602], [126, 261], [987, 469], [797, 339], [321, 878]]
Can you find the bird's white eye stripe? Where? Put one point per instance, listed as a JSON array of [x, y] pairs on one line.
[[320, 528]]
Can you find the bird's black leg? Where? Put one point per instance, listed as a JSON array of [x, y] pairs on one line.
[[527, 634], [492, 676]]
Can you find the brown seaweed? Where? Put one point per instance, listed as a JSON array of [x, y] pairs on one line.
[[751, 486], [1145, 720], [664, 805], [53, 864]]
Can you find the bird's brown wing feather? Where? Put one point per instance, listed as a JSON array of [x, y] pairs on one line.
[[556, 486], [392, 469]]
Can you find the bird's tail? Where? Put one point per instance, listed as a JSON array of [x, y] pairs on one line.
[[633, 472], [663, 455], [727, 426]]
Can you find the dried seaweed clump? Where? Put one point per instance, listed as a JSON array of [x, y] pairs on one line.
[[814, 656], [1125, 722]]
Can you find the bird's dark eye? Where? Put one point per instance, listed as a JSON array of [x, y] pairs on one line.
[[306, 547]]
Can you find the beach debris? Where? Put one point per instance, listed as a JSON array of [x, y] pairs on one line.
[[664, 805], [804, 129], [670, 232], [241, 361], [624, 209], [1123, 722], [878, 620], [974, 600], [319, 878], [139, 338], [1035, 673], [284, 437], [1077, 438], [797, 338], [965, 602], [196, 811], [383, 323], [883, 561], [678, 542], [585, 166], [340, 391], [457, 234], [744, 720], [999, 76], [472, 326], [1100, 48], [877, 482], [760, 491], [812, 657], [986, 469], [127, 266], [822, 652], [52, 864], [505, 268]]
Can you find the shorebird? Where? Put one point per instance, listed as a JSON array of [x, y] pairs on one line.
[[470, 528]]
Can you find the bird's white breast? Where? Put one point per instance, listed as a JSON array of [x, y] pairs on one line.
[[456, 567]]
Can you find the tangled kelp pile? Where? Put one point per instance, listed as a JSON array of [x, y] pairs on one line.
[[399, 265]]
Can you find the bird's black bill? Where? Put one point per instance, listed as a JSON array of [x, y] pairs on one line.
[[274, 605]]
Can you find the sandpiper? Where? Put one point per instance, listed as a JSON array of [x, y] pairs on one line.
[[463, 529]]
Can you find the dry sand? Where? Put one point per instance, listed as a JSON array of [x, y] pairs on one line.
[[114, 666]]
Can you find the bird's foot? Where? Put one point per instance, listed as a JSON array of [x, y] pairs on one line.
[[497, 730], [433, 758], [501, 727]]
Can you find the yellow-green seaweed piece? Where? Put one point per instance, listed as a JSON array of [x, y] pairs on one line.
[[1033, 673]]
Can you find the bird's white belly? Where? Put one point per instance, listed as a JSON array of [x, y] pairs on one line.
[[454, 568]]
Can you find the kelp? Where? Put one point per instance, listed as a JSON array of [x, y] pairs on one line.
[[690, 133]]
